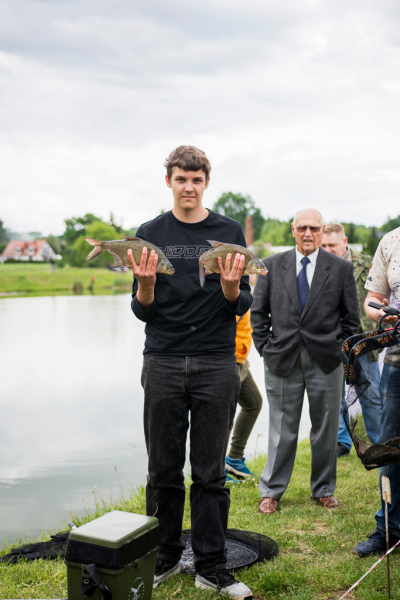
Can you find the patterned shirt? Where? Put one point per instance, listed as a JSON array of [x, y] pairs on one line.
[[384, 278]]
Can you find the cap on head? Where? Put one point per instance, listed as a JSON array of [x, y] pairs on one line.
[[188, 158]]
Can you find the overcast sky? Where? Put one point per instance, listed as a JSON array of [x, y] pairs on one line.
[[296, 103]]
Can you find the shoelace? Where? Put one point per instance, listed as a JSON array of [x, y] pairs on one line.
[[163, 565], [224, 578], [378, 534]]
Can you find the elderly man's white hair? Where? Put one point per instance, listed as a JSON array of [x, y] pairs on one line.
[[303, 210]]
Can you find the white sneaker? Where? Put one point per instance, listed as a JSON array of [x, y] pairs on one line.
[[224, 583]]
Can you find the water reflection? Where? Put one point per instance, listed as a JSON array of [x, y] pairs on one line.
[[71, 407]]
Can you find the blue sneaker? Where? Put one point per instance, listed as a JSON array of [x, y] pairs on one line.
[[375, 544], [238, 467], [229, 479]]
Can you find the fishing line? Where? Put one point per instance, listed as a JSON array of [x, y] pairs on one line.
[[369, 571]]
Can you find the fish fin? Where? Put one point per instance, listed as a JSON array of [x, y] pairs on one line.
[[207, 271], [214, 244], [202, 274], [129, 237], [118, 262], [97, 248]]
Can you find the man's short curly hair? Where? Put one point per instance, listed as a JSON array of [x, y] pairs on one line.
[[188, 158]]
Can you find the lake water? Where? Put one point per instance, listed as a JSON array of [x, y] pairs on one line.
[[71, 408]]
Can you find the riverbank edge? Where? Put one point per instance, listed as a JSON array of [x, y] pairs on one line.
[[38, 279], [315, 560]]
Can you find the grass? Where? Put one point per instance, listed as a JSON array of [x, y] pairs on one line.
[[315, 560], [37, 279]]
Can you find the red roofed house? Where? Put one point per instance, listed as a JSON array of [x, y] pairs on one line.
[[37, 250]]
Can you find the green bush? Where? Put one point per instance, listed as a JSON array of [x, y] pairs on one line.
[[78, 254], [277, 233]]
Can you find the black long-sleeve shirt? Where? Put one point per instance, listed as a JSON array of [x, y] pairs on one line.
[[184, 318]]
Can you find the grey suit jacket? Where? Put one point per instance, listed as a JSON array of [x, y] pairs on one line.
[[330, 316]]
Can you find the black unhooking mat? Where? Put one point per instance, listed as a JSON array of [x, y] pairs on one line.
[[244, 548], [53, 548]]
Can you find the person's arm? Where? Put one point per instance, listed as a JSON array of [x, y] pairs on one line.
[[143, 302], [235, 286], [349, 309], [378, 287], [376, 314], [230, 278], [145, 273], [260, 314]]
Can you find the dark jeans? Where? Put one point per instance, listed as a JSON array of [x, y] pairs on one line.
[[390, 427], [207, 386]]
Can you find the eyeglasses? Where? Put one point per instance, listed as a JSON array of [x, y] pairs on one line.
[[303, 228]]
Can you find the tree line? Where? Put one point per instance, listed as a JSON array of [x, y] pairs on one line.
[[74, 250], [71, 244], [279, 233]]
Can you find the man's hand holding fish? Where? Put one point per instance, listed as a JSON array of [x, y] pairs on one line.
[[230, 278], [145, 273]]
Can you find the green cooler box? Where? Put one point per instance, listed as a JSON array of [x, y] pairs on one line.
[[113, 557]]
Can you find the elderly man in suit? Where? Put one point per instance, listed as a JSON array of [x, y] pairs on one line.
[[303, 311]]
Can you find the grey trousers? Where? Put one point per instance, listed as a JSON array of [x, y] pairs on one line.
[[285, 398]]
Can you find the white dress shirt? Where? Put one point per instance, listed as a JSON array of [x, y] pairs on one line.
[[310, 266]]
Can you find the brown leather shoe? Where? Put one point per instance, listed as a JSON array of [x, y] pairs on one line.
[[268, 506], [326, 502]]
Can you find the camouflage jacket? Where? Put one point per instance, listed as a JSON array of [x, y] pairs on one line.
[[362, 263]]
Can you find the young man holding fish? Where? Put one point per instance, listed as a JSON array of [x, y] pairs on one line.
[[190, 367]]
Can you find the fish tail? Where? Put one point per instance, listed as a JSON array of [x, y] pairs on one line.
[[202, 274], [97, 248]]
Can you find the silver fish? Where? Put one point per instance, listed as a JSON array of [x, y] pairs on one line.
[[119, 250], [208, 261]]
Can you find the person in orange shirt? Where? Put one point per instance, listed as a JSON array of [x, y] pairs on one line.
[[250, 402]]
